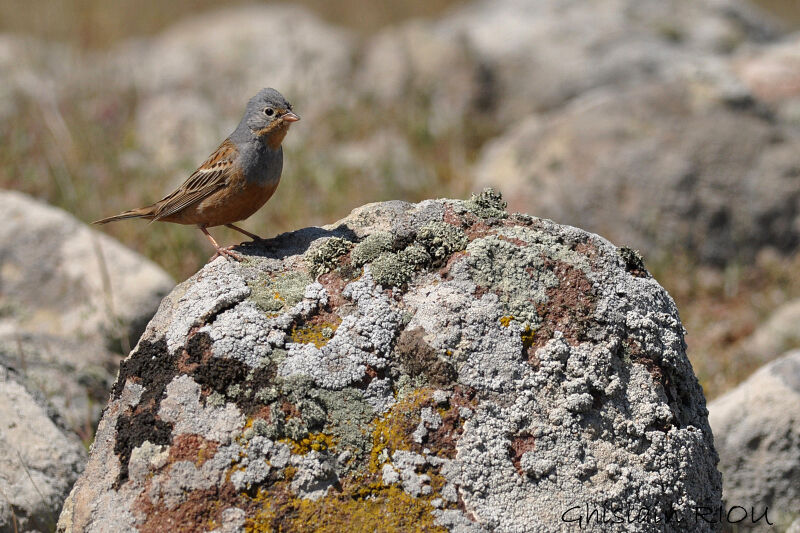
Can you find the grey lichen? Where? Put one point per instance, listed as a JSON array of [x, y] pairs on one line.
[[441, 240], [391, 270], [324, 257], [488, 204], [415, 255], [274, 294], [475, 383], [516, 273], [371, 247], [435, 242]]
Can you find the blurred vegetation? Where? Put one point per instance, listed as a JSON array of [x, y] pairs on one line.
[[98, 23], [721, 308]]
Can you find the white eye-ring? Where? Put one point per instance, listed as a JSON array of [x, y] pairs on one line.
[[269, 111]]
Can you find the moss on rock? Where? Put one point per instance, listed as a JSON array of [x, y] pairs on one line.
[[488, 204], [371, 247], [325, 257], [274, 294], [441, 240]]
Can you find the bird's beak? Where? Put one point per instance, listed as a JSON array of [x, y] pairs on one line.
[[290, 117]]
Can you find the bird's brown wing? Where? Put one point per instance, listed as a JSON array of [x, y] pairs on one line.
[[210, 177]]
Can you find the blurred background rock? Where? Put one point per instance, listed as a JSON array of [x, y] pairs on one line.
[[671, 127]]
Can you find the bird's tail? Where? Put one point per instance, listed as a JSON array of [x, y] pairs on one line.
[[142, 212]]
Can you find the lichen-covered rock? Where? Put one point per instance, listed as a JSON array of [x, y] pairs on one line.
[[40, 458], [504, 370], [69, 298], [758, 437]]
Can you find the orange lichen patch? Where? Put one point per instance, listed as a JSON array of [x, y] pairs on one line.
[[314, 441], [361, 508], [191, 447]]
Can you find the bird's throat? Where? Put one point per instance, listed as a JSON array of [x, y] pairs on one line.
[[273, 135]]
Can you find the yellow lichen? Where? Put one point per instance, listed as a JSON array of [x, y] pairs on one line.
[[528, 337], [505, 321], [366, 508], [314, 441], [393, 431], [315, 333]]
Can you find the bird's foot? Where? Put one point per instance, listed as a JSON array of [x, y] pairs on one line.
[[227, 253]]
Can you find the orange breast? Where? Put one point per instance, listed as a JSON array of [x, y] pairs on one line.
[[233, 203]]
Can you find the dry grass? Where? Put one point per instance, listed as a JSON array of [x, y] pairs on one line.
[[721, 308], [98, 23]]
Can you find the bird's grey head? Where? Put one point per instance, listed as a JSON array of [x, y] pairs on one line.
[[267, 112]]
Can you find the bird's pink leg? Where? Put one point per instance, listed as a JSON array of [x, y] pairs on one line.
[[225, 252], [240, 230]]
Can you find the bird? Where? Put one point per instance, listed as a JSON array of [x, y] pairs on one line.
[[236, 180]]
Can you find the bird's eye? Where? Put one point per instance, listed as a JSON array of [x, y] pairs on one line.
[[269, 111]]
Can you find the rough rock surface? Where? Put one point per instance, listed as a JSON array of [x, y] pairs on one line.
[[39, 458], [691, 165], [69, 297], [441, 365], [757, 433]]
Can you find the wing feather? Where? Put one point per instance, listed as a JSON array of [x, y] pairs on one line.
[[210, 177]]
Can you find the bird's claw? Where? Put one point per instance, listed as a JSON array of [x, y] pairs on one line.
[[228, 253]]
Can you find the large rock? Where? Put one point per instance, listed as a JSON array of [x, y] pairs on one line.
[[661, 167], [757, 433], [434, 366], [40, 458], [70, 298]]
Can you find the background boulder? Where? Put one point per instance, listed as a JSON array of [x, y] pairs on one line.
[[660, 167], [71, 301], [40, 458], [757, 435]]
